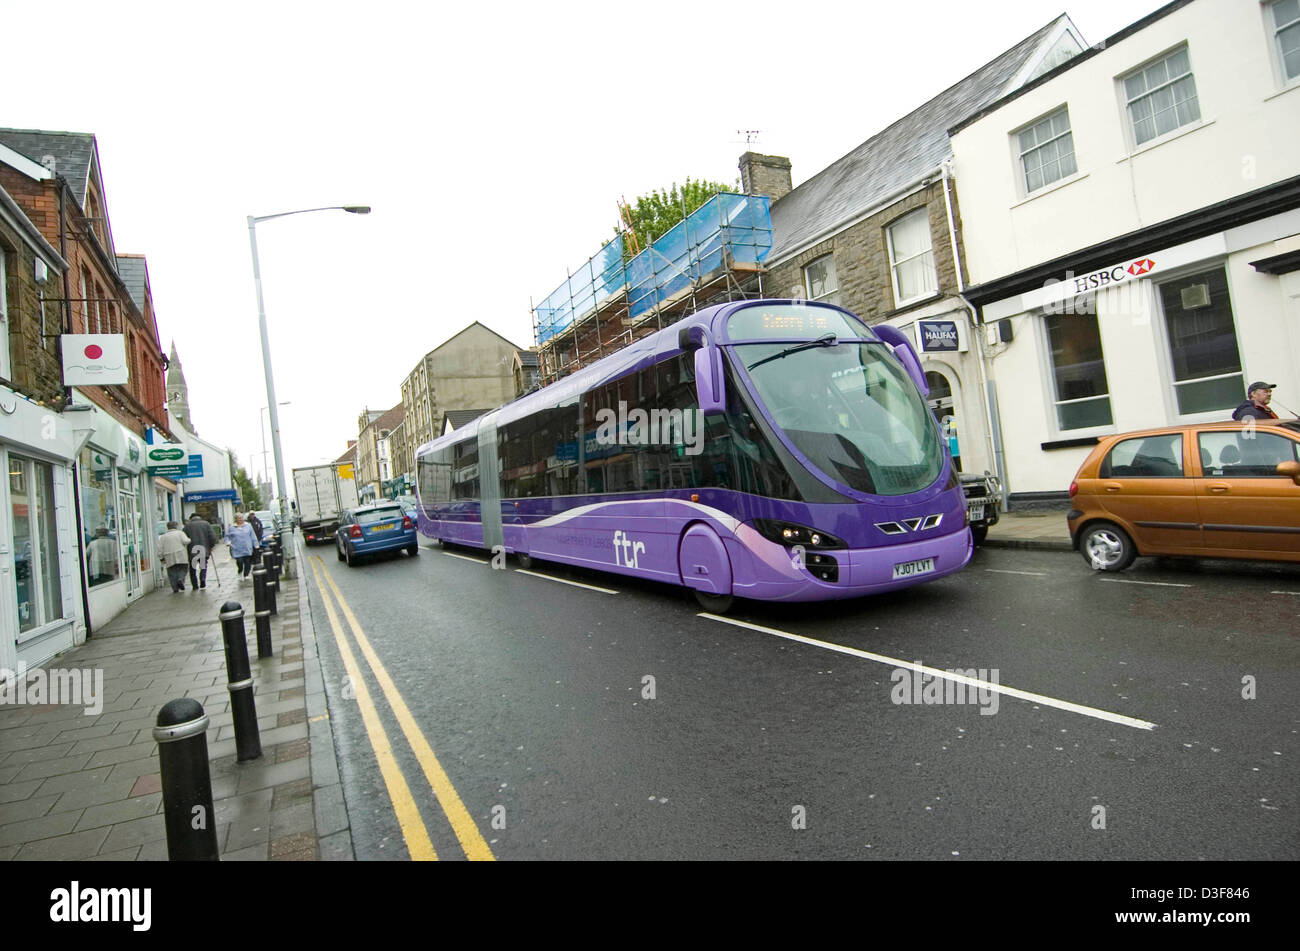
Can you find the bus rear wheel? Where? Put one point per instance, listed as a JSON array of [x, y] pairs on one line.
[[714, 603]]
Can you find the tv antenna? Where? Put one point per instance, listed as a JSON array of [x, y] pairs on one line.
[[751, 135]]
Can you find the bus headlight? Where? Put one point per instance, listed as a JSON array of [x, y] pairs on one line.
[[791, 534]]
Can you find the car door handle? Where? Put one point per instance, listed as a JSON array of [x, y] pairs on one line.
[[1218, 487], [1112, 486]]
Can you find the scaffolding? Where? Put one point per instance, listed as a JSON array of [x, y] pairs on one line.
[[715, 254]]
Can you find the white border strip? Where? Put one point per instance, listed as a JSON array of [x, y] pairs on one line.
[[477, 561], [946, 675], [576, 584]]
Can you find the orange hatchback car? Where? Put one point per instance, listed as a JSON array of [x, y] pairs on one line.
[[1207, 490]]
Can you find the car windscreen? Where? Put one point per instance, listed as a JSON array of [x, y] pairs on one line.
[[374, 516]]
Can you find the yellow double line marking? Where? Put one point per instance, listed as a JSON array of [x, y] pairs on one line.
[[408, 815]]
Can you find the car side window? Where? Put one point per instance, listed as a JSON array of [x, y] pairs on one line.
[[1149, 457], [1244, 454]]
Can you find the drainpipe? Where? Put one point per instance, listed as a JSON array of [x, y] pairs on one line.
[[975, 331]]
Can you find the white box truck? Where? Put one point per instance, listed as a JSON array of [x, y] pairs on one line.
[[323, 493]]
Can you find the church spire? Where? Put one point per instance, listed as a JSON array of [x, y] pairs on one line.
[[178, 394]]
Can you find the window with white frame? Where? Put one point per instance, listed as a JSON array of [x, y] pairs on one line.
[[35, 542], [911, 260], [1286, 36], [1081, 392], [1161, 97], [820, 280], [1047, 150], [1202, 342]]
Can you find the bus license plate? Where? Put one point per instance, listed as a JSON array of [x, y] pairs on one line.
[[910, 569], [975, 513]]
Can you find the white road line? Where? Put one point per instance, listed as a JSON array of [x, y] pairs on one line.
[[1284, 592], [1007, 571], [946, 675], [477, 561], [1162, 584], [576, 584]]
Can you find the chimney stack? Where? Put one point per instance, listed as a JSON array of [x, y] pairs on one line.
[[765, 175]]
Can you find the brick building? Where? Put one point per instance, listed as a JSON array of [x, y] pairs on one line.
[[56, 179], [41, 611]]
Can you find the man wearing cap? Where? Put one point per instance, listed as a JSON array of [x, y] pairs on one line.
[[1256, 406]]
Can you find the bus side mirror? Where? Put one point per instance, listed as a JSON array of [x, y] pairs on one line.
[[710, 392], [902, 348]]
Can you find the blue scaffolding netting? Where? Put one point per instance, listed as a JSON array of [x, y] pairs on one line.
[[726, 230]]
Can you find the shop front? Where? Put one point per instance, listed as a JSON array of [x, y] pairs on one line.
[[117, 518], [40, 602]]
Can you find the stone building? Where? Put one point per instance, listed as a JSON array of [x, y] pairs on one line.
[[367, 455], [879, 233], [473, 368]]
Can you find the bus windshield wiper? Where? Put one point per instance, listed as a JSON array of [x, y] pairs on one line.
[[825, 340]]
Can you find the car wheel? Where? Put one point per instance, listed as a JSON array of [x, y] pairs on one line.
[[338, 550], [350, 558], [979, 533], [714, 603], [1107, 547], [413, 550]]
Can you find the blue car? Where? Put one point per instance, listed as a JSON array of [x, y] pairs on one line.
[[370, 529]]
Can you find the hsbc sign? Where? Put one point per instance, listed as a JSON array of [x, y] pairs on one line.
[[1075, 294], [1115, 275]]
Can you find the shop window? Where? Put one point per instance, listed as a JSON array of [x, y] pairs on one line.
[[99, 517], [1082, 395], [1202, 342], [35, 542]]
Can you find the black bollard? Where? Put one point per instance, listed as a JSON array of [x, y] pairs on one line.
[[262, 613], [248, 744], [181, 735]]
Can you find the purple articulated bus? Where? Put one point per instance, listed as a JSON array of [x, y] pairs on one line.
[[780, 450]]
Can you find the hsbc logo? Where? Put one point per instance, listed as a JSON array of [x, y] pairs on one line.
[[1138, 268]]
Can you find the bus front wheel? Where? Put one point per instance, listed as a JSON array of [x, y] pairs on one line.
[[714, 603]]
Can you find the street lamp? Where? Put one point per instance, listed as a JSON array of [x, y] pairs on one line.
[[272, 406]]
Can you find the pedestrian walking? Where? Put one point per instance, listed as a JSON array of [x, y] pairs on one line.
[[1258, 396], [174, 550], [243, 542], [202, 539], [256, 522]]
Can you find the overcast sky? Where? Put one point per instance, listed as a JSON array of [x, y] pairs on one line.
[[492, 141]]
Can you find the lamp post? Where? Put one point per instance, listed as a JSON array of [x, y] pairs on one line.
[[265, 409], [272, 405]]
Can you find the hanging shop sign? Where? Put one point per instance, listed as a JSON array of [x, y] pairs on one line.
[[938, 336], [169, 459], [94, 359]]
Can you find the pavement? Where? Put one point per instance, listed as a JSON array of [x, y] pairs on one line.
[[78, 785], [1032, 529]]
